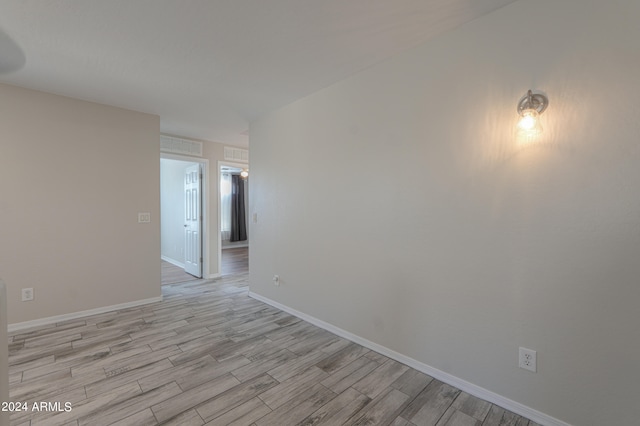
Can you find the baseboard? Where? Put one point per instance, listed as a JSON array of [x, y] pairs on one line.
[[172, 261], [520, 409], [76, 315]]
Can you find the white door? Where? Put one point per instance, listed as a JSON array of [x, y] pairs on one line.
[[192, 221]]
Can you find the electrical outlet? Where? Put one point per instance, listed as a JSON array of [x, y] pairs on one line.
[[27, 294], [527, 359], [276, 280]]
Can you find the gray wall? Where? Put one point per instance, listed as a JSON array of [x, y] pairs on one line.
[[399, 205]]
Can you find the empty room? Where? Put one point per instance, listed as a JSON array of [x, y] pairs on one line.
[[296, 212]]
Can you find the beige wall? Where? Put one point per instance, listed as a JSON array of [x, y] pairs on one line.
[[399, 205], [73, 177]]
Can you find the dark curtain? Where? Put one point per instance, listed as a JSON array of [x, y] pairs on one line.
[[238, 222]]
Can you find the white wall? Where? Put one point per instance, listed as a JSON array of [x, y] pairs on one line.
[[172, 209], [73, 177], [398, 205]]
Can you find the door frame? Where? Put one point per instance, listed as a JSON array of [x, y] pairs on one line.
[[222, 163], [204, 225]]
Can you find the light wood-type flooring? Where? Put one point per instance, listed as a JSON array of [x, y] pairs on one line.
[[209, 354], [234, 260], [172, 274]]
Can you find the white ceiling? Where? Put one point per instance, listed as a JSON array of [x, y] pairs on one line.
[[209, 67]]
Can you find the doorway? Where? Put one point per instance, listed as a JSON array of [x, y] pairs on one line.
[[233, 218], [183, 217]]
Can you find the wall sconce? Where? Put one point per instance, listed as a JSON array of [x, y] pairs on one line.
[[244, 173], [530, 107]]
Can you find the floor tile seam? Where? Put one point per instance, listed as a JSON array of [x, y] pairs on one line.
[[229, 390], [51, 397], [95, 351], [447, 409], [37, 328], [46, 344], [195, 407], [13, 367], [122, 361], [49, 335], [109, 406], [115, 376], [37, 379], [88, 345], [412, 397], [482, 419], [39, 376], [142, 392]]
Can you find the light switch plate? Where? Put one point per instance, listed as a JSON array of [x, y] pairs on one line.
[[144, 217]]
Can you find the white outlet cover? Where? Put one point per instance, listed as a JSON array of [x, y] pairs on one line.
[[27, 294], [527, 359]]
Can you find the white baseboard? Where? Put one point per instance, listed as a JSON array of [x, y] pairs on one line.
[[76, 315], [172, 261], [520, 409]]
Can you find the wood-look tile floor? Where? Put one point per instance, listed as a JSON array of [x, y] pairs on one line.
[[234, 260], [172, 274], [209, 354]]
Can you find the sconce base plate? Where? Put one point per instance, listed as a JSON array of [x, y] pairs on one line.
[[536, 101]]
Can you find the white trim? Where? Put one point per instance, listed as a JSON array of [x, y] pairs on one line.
[[75, 315], [520, 409], [172, 261], [212, 276]]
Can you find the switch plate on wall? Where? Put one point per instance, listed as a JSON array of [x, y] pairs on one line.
[[144, 217]]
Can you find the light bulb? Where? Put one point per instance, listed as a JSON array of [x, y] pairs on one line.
[[528, 120], [529, 124], [244, 173]]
